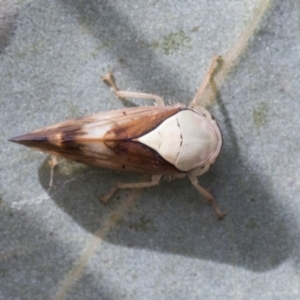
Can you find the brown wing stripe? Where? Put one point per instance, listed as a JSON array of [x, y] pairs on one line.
[[141, 155], [139, 126]]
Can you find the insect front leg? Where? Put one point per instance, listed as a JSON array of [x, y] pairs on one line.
[[208, 88], [109, 79], [207, 196], [136, 185]]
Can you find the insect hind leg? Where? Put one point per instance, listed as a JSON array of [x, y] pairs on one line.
[[53, 162], [209, 197], [136, 185], [109, 80]]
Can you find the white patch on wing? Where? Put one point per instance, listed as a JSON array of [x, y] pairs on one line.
[[95, 131], [165, 139]]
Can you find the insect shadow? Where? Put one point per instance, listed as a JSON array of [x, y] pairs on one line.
[[173, 218]]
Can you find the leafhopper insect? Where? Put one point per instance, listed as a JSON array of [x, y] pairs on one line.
[[175, 141]]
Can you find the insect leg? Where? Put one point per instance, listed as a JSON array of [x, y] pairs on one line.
[[109, 79], [208, 84], [52, 163], [136, 185], [207, 196]]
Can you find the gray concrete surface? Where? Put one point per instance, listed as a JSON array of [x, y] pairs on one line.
[[163, 242]]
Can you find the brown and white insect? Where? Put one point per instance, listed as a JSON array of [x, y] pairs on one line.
[[157, 140]]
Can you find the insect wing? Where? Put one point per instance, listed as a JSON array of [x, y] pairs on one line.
[[106, 139]]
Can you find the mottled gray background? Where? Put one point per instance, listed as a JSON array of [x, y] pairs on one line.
[[163, 242]]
